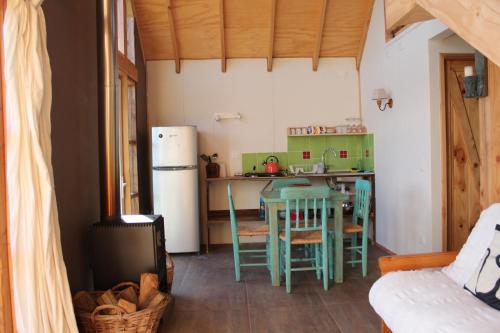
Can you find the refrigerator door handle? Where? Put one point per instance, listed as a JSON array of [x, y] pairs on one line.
[[176, 168]]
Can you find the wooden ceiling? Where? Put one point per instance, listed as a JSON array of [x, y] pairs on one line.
[[224, 29]]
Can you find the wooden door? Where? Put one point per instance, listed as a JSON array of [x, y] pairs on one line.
[[463, 164]]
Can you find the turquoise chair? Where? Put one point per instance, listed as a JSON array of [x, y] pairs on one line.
[[360, 214], [237, 232], [312, 230], [278, 184]]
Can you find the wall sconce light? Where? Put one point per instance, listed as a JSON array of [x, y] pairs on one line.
[[476, 85], [380, 95]]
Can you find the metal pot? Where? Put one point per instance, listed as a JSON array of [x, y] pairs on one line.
[[272, 164]]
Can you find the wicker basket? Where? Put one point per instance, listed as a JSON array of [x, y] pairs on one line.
[[170, 272], [143, 321]]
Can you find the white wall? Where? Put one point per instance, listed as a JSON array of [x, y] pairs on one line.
[[407, 137], [291, 95]]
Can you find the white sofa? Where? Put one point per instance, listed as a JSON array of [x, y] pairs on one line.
[[434, 299]]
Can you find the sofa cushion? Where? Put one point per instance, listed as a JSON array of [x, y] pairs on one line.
[[472, 252], [485, 282], [429, 301]]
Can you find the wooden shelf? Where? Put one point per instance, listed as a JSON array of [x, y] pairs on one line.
[[329, 134], [225, 219]]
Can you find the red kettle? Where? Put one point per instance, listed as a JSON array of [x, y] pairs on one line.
[[272, 164]]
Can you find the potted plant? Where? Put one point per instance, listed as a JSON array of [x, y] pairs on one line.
[[212, 169]]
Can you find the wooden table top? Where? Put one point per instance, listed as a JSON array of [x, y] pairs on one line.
[[274, 196]]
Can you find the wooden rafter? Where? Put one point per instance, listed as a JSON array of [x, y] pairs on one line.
[[319, 35], [362, 41], [173, 37], [271, 36], [138, 25], [222, 37], [399, 13], [257, 29], [475, 21]]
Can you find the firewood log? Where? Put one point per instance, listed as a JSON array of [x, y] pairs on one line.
[[84, 302], [149, 284], [156, 300], [127, 306], [107, 298], [129, 295]]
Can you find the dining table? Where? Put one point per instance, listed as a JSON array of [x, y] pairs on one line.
[[273, 203]]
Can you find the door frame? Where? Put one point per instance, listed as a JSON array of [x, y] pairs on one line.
[[444, 57]]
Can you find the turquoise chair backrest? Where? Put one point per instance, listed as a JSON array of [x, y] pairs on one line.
[[278, 184], [362, 200], [306, 201], [232, 214]]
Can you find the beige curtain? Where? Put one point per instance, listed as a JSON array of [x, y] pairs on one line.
[[42, 297]]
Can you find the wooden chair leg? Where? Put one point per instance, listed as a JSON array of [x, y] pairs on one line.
[[325, 264], [281, 257], [318, 261], [288, 268], [364, 254], [330, 257], [236, 255], [354, 242]]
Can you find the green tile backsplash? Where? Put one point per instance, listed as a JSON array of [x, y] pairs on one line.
[[359, 147]]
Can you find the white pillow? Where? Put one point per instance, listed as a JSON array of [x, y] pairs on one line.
[[485, 282], [472, 252]]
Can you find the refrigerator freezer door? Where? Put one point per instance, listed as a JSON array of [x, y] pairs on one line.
[[176, 198], [174, 146]]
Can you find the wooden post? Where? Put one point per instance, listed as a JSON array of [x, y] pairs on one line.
[[7, 319], [489, 108]]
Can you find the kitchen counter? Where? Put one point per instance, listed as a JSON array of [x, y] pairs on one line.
[[302, 175]]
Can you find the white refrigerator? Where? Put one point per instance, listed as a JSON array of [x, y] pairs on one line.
[[175, 185]]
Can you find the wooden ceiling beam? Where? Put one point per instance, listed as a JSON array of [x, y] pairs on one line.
[[475, 21], [319, 36], [138, 25], [264, 29], [223, 62], [271, 36], [362, 41], [173, 37], [399, 13]]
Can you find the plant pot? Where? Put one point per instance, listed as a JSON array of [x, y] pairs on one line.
[[213, 170]]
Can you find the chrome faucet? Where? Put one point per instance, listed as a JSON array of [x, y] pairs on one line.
[[323, 157]]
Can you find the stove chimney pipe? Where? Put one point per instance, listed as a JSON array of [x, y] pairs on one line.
[[108, 115]]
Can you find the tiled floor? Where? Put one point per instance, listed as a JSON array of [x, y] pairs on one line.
[[207, 299]]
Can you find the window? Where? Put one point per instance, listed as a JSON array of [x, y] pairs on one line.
[[127, 106], [125, 29], [128, 148]]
